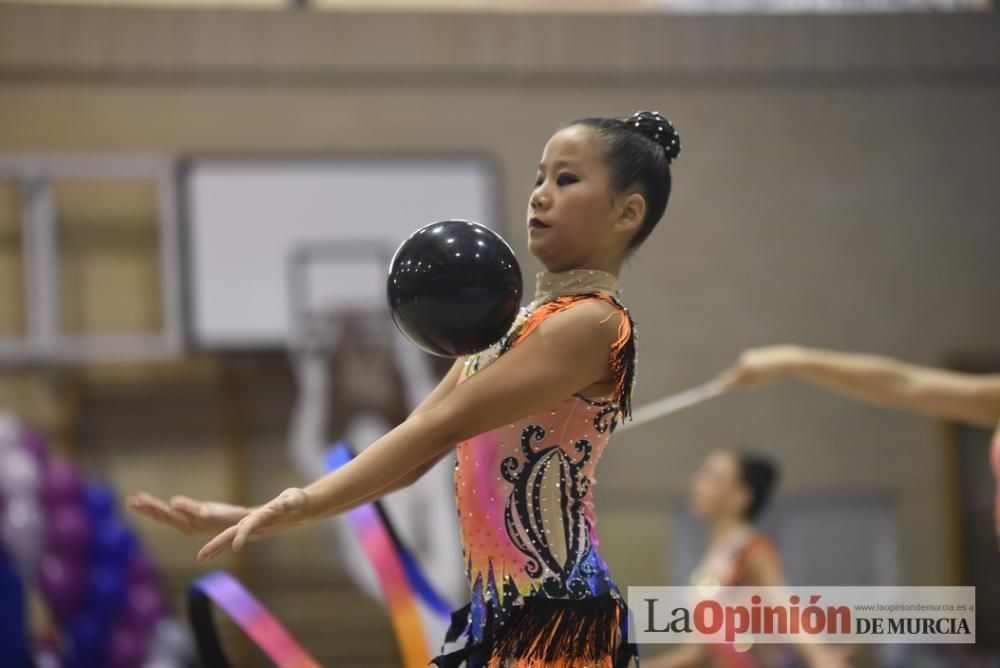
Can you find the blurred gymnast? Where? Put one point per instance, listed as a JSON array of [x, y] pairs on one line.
[[728, 493]]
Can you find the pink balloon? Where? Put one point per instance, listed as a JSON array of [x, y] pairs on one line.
[[33, 442], [61, 484], [144, 606], [141, 569], [61, 582], [126, 647], [69, 530]]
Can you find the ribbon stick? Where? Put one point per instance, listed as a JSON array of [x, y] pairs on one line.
[[672, 404]]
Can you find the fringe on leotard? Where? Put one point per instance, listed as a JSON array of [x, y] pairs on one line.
[[623, 354], [547, 633]]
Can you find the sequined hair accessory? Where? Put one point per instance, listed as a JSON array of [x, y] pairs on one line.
[[652, 124]]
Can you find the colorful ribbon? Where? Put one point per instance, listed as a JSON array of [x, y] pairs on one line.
[[246, 611], [398, 574], [400, 578], [337, 456]]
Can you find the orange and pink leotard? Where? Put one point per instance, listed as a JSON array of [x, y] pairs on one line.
[[542, 597]]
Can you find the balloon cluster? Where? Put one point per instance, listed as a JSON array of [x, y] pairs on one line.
[[65, 536]]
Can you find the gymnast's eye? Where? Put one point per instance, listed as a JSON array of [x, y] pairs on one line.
[[566, 179], [538, 180]]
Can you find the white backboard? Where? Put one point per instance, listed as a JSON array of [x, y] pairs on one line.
[[246, 218]]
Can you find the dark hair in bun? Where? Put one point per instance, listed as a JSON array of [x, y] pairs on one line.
[[760, 475], [639, 151]]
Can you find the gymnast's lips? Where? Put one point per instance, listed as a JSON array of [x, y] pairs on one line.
[[536, 224]]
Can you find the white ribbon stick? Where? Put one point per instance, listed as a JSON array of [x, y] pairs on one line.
[[673, 403]]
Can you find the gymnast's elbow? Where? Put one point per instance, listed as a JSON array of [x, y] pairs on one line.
[[434, 432], [410, 478]]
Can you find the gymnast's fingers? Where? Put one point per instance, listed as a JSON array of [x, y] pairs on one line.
[[217, 545], [246, 527], [152, 507], [208, 515]]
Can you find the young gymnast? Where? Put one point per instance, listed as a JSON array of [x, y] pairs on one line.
[[968, 398], [728, 493], [530, 418]]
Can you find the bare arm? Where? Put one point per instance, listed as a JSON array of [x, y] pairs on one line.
[[443, 389], [970, 398], [568, 352], [192, 516]]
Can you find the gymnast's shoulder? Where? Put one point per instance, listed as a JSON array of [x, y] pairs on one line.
[[584, 324]]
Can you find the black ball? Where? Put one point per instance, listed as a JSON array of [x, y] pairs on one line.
[[454, 287]]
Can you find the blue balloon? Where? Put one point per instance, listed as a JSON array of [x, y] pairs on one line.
[[87, 634], [113, 543], [13, 623], [106, 590], [98, 501]]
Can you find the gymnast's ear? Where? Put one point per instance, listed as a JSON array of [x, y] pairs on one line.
[[631, 212]]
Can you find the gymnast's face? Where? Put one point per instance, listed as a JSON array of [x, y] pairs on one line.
[[574, 213], [717, 492]]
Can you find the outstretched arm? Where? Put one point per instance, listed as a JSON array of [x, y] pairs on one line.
[[193, 516], [567, 353], [443, 389], [974, 399]]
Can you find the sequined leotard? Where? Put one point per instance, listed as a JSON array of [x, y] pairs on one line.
[[542, 597]]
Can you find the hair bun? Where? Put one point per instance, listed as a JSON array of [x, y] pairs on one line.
[[652, 124]]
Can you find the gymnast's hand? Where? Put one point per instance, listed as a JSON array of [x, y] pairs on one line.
[[188, 516], [759, 366], [286, 510]]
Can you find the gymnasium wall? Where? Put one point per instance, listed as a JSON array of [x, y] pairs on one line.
[[837, 188]]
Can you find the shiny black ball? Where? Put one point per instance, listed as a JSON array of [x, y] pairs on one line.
[[454, 287]]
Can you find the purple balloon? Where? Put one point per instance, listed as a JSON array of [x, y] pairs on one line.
[[69, 530], [144, 606], [33, 442], [61, 484], [141, 569], [61, 581], [126, 648]]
